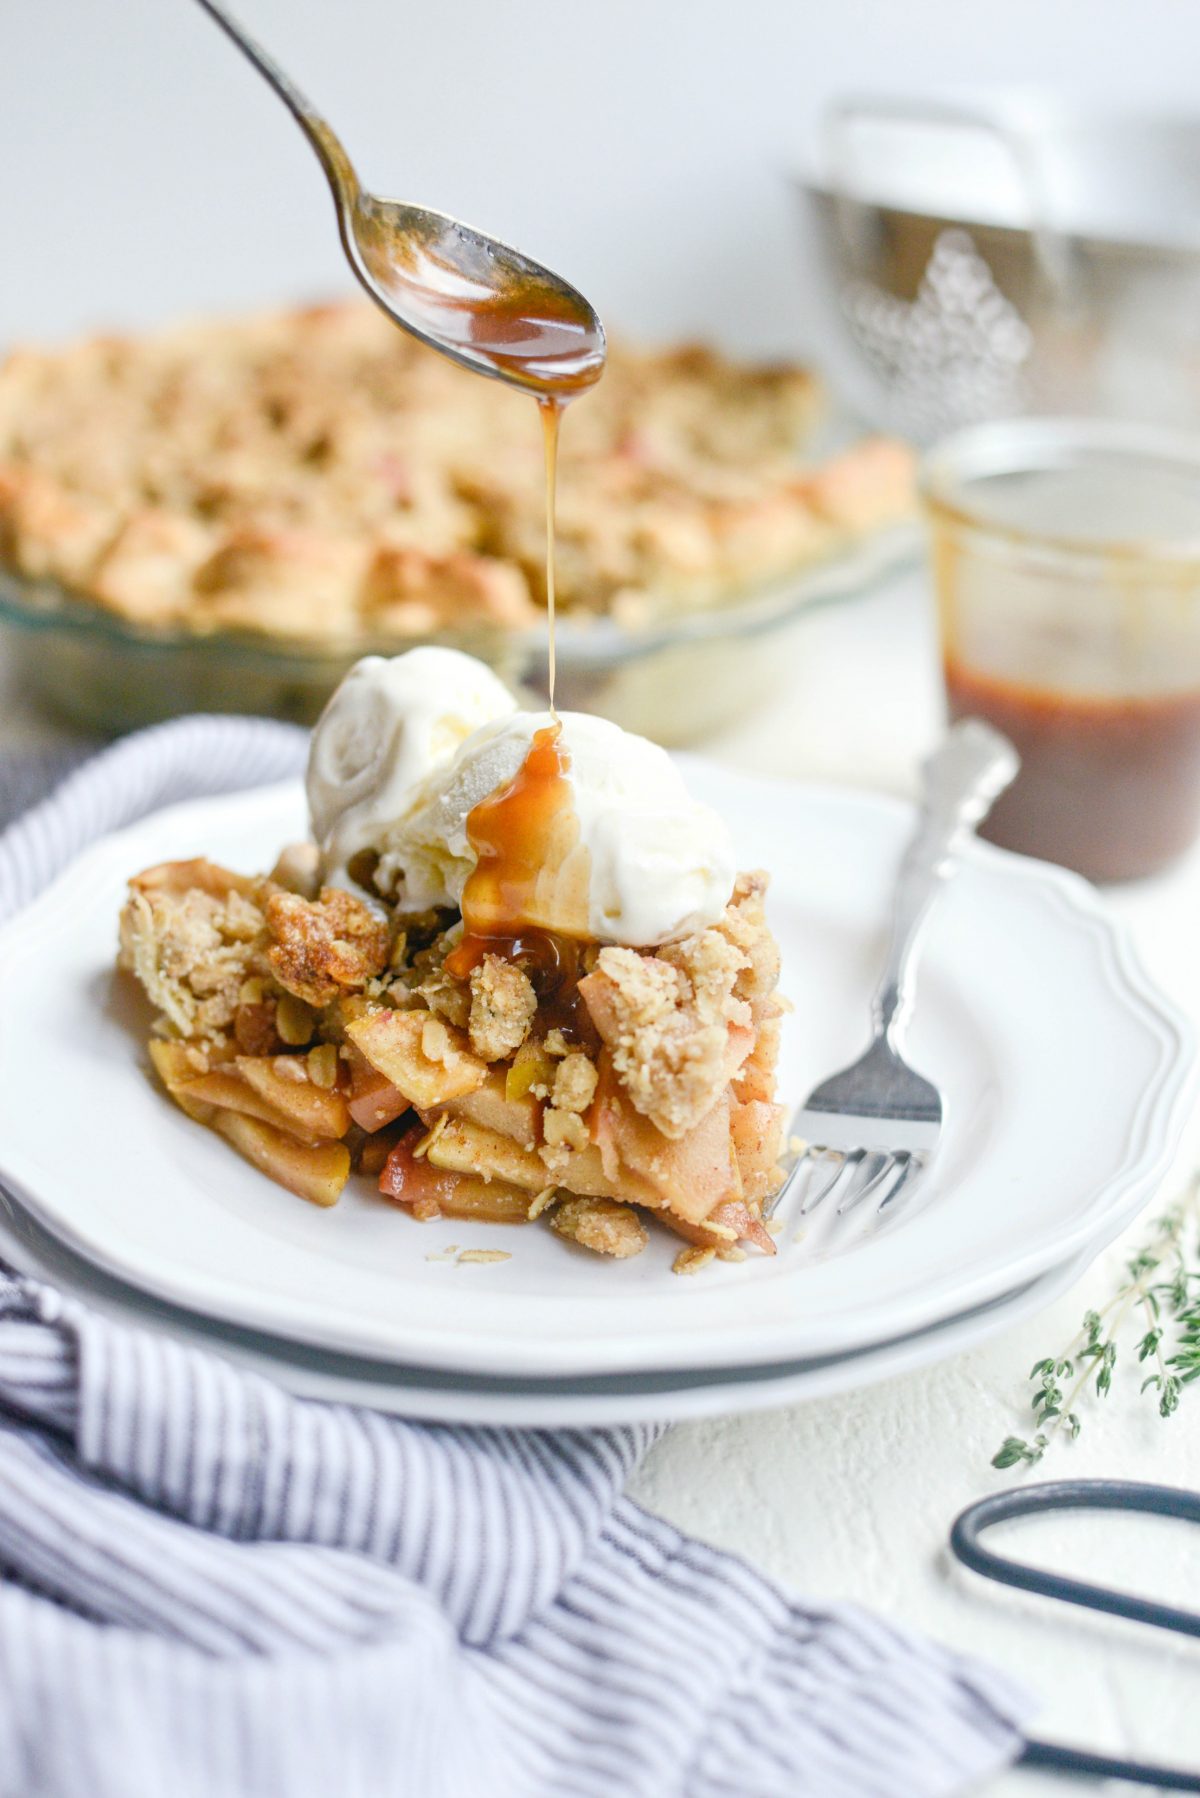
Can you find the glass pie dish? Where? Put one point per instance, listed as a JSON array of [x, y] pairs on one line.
[[224, 515], [673, 680]]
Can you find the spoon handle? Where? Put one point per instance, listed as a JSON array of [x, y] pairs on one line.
[[338, 168]]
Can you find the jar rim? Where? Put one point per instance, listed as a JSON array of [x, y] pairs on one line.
[[1032, 445]]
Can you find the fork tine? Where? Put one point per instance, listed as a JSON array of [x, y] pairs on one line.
[[913, 1164], [859, 1192], [811, 1200]]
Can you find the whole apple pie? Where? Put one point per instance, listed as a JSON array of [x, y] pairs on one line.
[[515, 975]]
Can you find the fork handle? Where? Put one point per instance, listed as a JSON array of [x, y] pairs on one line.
[[961, 781]]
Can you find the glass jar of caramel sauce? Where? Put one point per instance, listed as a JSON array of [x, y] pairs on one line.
[[1066, 567]]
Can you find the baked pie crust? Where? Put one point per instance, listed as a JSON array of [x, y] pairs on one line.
[[316, 475]]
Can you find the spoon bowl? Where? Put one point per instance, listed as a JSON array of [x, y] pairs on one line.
[[478, 301], [474, 298]]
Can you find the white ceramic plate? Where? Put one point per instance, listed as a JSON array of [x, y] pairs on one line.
[[579, 1403], [1066, 1078]]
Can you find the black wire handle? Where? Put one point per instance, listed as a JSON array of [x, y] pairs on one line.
[[1073, 1495]]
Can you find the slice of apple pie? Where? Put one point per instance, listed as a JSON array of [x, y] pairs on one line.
[[515, 977]]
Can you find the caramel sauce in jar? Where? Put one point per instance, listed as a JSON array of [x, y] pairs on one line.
[[1066, 566], [1108, 786]]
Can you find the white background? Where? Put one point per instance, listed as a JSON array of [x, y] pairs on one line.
[[639, 145]]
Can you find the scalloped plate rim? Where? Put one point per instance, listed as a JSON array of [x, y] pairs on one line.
[[1154, 1126]]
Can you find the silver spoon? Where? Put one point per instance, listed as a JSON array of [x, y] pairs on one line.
[[478, 301]]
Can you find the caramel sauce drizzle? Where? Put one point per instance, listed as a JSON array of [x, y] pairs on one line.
[[517, 833], [523, 834], [551, 411], [503, 320]]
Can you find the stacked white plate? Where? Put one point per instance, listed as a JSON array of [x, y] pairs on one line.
[[1067, 1081]]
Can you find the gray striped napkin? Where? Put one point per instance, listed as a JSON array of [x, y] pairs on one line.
[[213, 1590]]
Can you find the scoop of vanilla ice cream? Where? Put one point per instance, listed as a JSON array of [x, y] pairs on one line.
[[659, 864], [393, 722]]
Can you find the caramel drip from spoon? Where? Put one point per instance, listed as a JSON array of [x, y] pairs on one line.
[[524, 834], [551, 411]]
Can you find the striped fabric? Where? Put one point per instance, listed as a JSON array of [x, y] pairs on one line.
[[213, 1590]]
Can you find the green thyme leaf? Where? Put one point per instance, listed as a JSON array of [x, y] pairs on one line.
[[1162, 1289]]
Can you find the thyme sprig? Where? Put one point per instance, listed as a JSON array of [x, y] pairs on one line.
[[1161, 1294]]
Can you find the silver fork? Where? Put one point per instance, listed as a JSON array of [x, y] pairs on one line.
[[871, 1129]]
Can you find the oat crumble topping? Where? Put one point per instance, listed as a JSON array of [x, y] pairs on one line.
[[315, 474], [317, 1034], [502, 1006]]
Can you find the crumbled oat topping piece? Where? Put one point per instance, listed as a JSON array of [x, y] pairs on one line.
[[690, 1261], [502, 1006], [448, 997], [192, 933], [320, 950], [569, 1093], [603, 1225], [294, 1020], [575, 1082], [666, 1020], [682, 1022], [437, 1044], [542, 1201], [711, 964], [562, 1130], [745, 925], [322, 1066]]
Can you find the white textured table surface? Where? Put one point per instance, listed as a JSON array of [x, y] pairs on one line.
[[853, 1497]]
